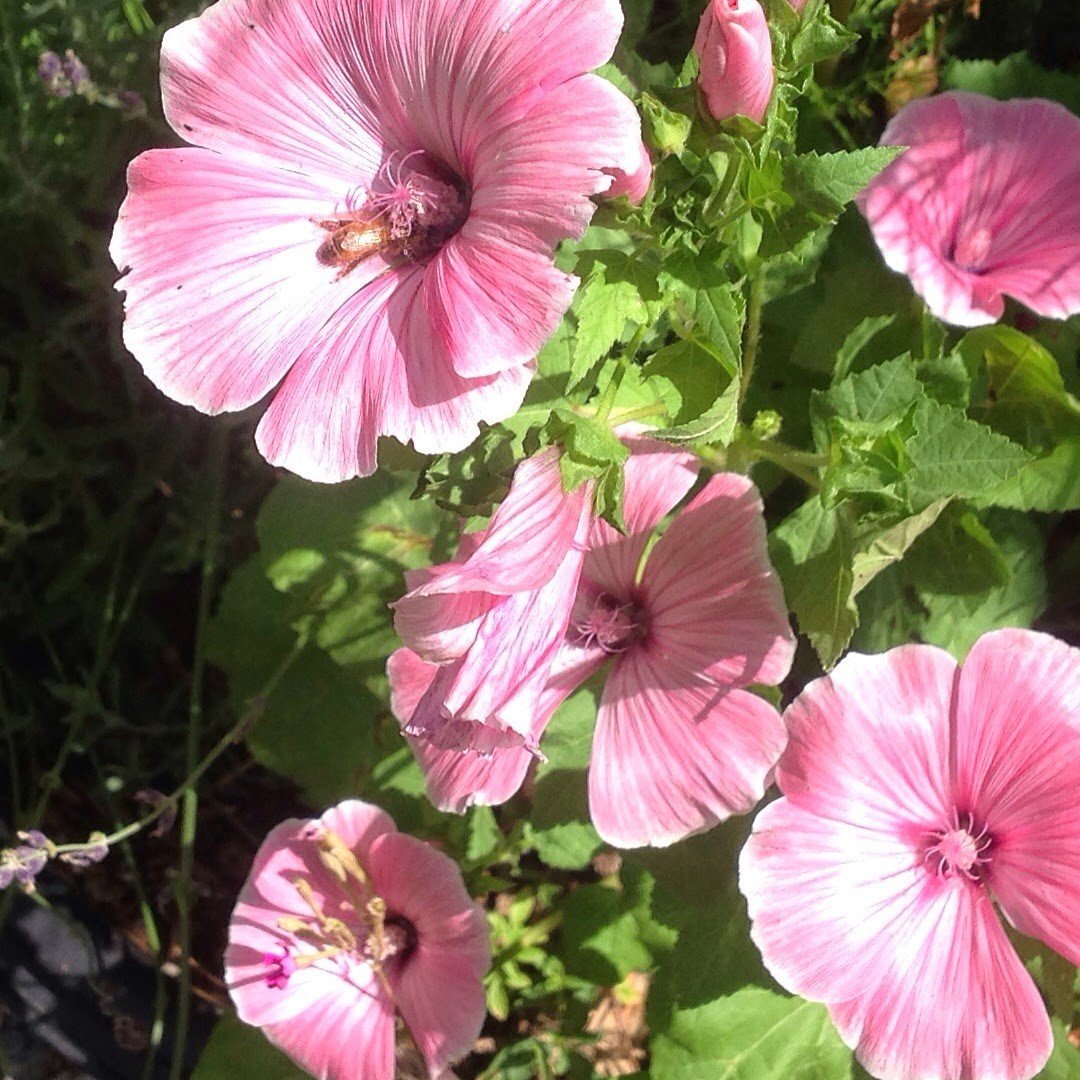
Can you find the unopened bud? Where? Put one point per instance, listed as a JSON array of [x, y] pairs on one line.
[[734, 51]]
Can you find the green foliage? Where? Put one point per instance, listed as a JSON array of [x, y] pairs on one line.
[[752, 1035], [913, 476]]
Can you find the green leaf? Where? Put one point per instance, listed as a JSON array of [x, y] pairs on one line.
[[752, 1035], [1064, 1063], [559, 827], [234, 1049], [954, 456], [603, 308], [956, 622], [1016, 76], [1026, 397], [715, 426], [339, 553], [813, 551], [711, 310], [824, 184], [854, 343], [695, 894], [958, 556], [819, 38], [1050, 483], [875, 399], [889, 545], [602, 938]]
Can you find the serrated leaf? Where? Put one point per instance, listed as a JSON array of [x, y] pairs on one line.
[[820, 39], [603, 309], [714, 427], [1050, 483], [952, 455], [831, 181], [752, 1035], [876, 399], [956, 622], [1026, 397], [813, 551], [887, 546], [958, 556], [1016, 76]]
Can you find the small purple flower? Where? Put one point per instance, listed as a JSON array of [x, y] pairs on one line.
[[131, 103], [94, 851], [29, 862], [34, 838], [51, 72], [7, 871], [76, 72]]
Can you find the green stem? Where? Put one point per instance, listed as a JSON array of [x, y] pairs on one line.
[[607, 400], [190, 799], [242, 726], [752, 335]]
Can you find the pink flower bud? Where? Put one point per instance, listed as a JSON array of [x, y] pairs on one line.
[[735, 53]]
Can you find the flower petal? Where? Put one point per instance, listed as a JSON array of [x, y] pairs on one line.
[[321, 118], [869, 743], [347, 1034], [372, 372], [457, 779], [673, 758], [655, 479], [439, 988], [964, 214], [1018, 767], [714, 600], [917, 972], [953, 1001], [224, 290]]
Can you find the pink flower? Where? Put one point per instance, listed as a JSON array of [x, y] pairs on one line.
[[494, 618], [344, 921], [679, 744], [919, 794], [634, 185], [365, 226], [734, 52], [982, 205]]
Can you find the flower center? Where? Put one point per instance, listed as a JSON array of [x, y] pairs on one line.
[[962, 849], [361, 931], [614, 625], [971, 249], [408, 212]]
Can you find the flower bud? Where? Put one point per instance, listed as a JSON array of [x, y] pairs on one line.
[[734, 51]]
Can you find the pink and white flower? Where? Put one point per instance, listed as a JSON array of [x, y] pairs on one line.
[[345, 924], [919, 794], [493, 619], [734, 52], [982, 205], [683, 625], [365, 225]]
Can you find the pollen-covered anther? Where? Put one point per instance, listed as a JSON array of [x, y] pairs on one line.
[[960, 849], [609, 624]]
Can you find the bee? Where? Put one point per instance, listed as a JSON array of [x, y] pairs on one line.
[[352, 239]]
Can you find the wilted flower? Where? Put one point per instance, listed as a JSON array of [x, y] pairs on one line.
[[919, 794], [982, 205], [345, 923], [685, 624], [494, 618], [734, 54], [368, 217]]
